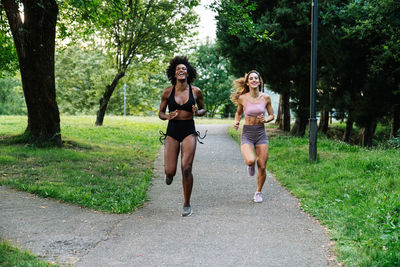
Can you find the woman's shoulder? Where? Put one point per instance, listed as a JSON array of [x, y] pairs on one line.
[[167, 91], [266, 97], [244, 96], [195, 88], [169, 88], [196, 91]]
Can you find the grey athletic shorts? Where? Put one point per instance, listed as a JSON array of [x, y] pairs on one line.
[[254, 135]]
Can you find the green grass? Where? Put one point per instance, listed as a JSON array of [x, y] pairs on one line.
[[353, 191], [13, 257], [106, 168]]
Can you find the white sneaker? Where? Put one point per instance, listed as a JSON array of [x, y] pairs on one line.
[[258, 197]]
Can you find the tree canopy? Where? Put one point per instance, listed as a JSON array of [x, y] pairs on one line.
[[358, 56], [213, 78], [134, 31]]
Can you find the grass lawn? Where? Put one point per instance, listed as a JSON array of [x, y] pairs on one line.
[[352, 190], [12, 257], [106, 168]]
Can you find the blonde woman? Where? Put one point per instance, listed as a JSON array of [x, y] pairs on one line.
[[251, 101]]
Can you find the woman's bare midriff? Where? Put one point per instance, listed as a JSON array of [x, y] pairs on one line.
[[184, 115], [251, 121]]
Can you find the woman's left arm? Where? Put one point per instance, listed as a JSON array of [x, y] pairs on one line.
[[199, 110], [270, 111]]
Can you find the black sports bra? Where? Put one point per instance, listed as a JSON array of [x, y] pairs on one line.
[[172, 105]]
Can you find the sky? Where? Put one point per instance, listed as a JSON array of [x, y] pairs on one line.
[[207, 25]]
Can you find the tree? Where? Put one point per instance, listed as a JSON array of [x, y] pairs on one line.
[[144, 85], [213, 78], [379, 25], [282, 58], [81, 73], [247, 42], [368, 67], [8, 54], [11, 97], [136, 31], [80, 77], [34, 39]]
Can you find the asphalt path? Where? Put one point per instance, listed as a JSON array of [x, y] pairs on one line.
[[226, 228]]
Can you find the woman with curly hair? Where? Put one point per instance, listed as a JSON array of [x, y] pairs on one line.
[[181, 98], [251, 101]]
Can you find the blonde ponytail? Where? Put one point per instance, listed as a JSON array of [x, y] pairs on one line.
[[239, 88]]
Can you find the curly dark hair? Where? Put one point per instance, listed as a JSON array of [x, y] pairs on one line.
[[172, 68]]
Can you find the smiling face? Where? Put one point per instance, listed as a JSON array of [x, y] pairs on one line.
[[253, 80], [181, 72]]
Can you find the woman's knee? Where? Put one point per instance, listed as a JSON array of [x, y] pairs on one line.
[[170, 172], [261, 168], [261, 164], [249, 162], [186, 170]]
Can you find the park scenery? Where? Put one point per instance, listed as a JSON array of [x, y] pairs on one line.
[[80, 90]]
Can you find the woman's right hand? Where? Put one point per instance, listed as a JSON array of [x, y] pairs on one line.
[[172, 115], [236, 125]]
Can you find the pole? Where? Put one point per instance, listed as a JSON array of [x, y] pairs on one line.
[[312, 152], [124, 99]]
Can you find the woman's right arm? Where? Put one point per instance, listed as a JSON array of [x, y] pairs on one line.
[[163, 106], [239, 113]]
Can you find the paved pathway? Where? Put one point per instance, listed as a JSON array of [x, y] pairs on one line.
[[226, 228]]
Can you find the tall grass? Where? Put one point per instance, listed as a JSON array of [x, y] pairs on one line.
[[354, 191]]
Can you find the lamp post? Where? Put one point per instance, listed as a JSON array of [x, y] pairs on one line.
[[312, 152], [124, 99]]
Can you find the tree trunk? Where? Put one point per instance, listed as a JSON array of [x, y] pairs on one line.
[[35, 43], [324, 121], [349, 129], [395, 121], [367, 134], [302, 107], [106, 98], [279, 116], [286, 111], [299, 127]]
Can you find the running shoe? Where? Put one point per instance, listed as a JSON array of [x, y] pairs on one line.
[[168, 180], [258, 197], [187, 211], [251, 170]]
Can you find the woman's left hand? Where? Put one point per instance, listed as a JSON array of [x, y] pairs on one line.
[[261, 118], [194, 109]]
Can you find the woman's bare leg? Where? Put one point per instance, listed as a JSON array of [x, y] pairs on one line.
[[171, 152], [262, 157], [248, 154], [188, 149]]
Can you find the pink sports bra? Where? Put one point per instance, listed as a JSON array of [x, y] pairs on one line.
[[254, 109]]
